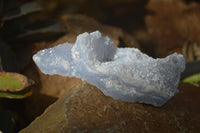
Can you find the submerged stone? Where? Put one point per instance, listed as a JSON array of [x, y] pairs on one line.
[[122, 73]]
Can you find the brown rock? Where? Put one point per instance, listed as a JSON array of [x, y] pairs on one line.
[[87, 109], [173, 23]]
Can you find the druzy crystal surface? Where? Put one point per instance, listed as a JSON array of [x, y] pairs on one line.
[[125, 74]]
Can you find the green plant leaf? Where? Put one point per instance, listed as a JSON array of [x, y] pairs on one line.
[[192, 79], [7, 81], [16, 95], [12, 82]]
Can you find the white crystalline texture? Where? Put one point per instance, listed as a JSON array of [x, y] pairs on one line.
[[122, 73]]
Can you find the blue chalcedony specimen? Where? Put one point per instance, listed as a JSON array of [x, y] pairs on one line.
[[122, 73]]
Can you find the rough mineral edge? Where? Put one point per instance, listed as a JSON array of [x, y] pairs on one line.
[[126, 74]]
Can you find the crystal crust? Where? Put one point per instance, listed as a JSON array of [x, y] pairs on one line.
[[125, 74]]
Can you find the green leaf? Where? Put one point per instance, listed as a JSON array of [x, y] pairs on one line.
[[15, 95], [192, 79], [6, 81], [13, 82]]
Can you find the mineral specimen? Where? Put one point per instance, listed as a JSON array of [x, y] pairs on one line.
[[122, 73]]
